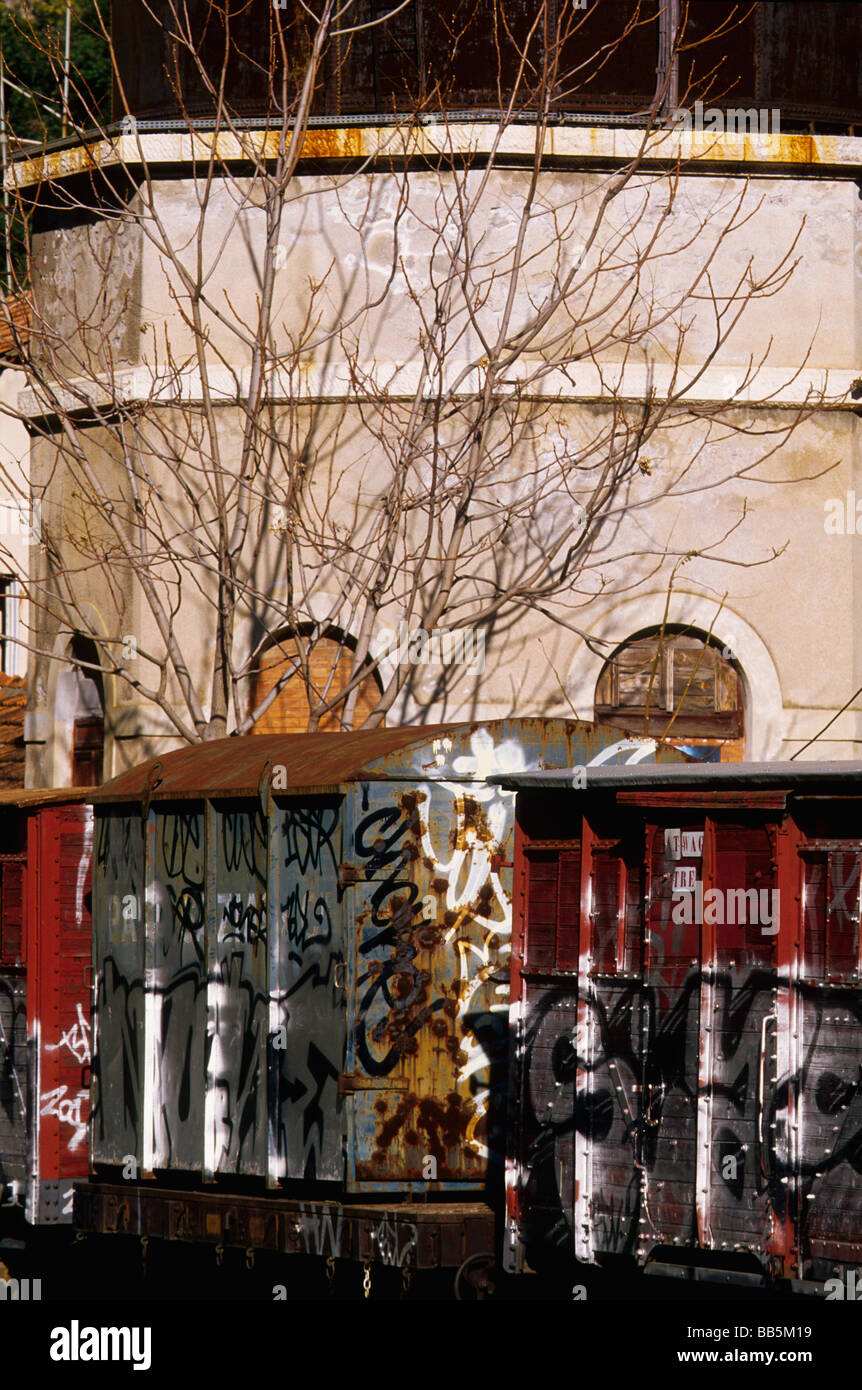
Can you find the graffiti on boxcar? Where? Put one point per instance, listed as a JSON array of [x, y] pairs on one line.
[[76, 1039], [306, 1003], [309, 836], [176, 991], [243, 913], [246, 924], [635, 1100], [119, 996], [182, 858], [13, 1065], [69, 1109], [240, 848], [434, 965], [320, 1236], [308, 833], [395, 1240], [306, 926], [238, 1020], [393, 1005], [477, 915], [237, 996]]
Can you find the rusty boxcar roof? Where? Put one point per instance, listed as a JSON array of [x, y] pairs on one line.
[[688, 776], [25, 797], [326, 762], [235, 766]]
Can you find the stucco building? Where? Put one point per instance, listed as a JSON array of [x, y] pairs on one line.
[[750, 643]]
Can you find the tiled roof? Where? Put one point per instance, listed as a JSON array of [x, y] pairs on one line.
[[14, 324], [13, 704]]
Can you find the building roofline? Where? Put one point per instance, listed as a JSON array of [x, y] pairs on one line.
[[583, 145], [703, 777]]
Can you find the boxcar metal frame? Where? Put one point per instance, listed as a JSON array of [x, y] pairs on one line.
[[45, 999], [687, 1020], [301, 970]]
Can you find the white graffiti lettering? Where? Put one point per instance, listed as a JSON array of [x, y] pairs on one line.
[[70, 1110], [76, 1038]]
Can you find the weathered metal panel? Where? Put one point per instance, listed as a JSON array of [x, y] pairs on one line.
[[118, 1023], [309, 1015], [738, 1194], [429, 891], [795, 55], [239, 767], [612, 1039], [408, 1235], [828, 1021], [739, 1123], [429, 917], [237, 992], [13, 1030], [60, 849], [175, 1006]]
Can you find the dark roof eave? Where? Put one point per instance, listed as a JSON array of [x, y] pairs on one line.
[[696, 777]]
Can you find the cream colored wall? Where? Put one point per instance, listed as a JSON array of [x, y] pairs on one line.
[[19, 525], [790, 622]]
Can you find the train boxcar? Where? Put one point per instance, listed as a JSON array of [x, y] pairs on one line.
[[45, 991], [301, 984], [687, 1014]]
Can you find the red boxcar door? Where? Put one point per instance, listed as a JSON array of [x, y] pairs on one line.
[[739, 1170], [827, 1060], [60, 846], [671, 1035]]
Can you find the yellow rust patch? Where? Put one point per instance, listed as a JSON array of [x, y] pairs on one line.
[[179, 147], [59, 164], [346, 143], [758, 149]]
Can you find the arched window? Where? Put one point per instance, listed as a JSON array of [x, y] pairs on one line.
[[85, 702], [289, 712], [676, 683]]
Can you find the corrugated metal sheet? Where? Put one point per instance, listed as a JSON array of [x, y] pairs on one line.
[[326, 762], [333, 959], [690, 1090], [235, 766], [32, 797], [798, 56], [59, 956]]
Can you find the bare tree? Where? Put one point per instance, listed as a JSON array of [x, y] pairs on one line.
[[330, 419]]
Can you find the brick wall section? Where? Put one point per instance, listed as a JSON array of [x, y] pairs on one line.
[[13, 704], [290, 711]]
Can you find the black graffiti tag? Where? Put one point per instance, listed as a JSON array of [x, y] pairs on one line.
[[394, 930]]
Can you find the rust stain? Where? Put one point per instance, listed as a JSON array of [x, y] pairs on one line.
[[346, 143], [434, 1126], [471, 824], [428, 937], [235, 766]]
